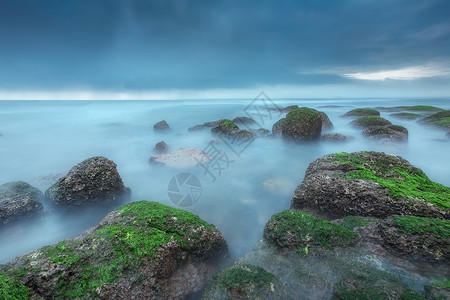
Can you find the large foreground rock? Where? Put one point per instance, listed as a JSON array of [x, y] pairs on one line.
[[143, 250], [19, 200], [93, 180], [302, 124], [370, 184]]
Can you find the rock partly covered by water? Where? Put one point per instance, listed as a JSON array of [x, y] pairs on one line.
[[370, 184], [228, 129], [407, 116], [143, 250], [302, 124], [245, 121], [161, 126], [161, 148], [19, 200], [181, 158], [439, 120], [94, 180], [336, 137], [244, 281], [326, 122], [391, 133], [366, 122], [362, 112]]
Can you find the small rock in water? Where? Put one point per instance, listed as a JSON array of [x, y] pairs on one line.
[[161, 126], [161, 148], [336, 137]]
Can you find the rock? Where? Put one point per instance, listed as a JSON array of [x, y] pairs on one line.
[[362, 112], [366, 122], [94, 180], [228, 129], [326, 123], [206, 125], [161, 126], [407, 116], [301, 232], [244, 281], [289, 108], [261, 132], [19, 200], [439, 120], [143, 250], [302, 124], [391, 133], [161, 148], [336, 137], [370, 184], [244, 121], [419, 108], [438, 289], [417, 238], [181, 158]]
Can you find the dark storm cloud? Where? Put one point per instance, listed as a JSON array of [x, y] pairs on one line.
[[142, 44]]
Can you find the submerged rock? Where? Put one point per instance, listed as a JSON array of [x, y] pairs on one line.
[[244, 121], [336, 137], [229, 129], [407, 116], [181, 158], [19, 200], [261, 132], [391, 133], [302, 124], [370, 184], [94, 180], [362, 112], [244, 281], [161, 126], [161, 148], [366, 122], [439, 120], [143, 250]]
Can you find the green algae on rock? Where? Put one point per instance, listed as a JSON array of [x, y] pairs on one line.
[[140, 249], [407, 116], [300, 231], [303, 124], [362, 112], [366, 122], [439, 120], [370, 184], [243, 281]]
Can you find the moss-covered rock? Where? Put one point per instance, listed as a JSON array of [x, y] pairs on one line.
[[244, 281], [143, 250], [370, 184], [246, 121], [301, 232], [19, 200], [302, 124], [440, 120], [366, 122], [407, 116], [12, 289], [391, 133], [92, 181], [417, 237], [426, 108], [362, 112], [326, 122], [438, 289]]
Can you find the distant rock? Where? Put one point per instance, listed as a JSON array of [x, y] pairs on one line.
[[244, 121], [161, 126], [92, 181], [326, 123], [369, 184], [244, 281], [418, 108], [143, 250], [206, 125], [228, 129], [161, 148], [362, 112], [407, 116], [289, 108], [182, 158], [366, 122], [336, 137], [302, 124], [439, 120], [391, 133], [19, 200]]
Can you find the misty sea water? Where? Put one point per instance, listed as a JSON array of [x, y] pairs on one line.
[[39, 138]]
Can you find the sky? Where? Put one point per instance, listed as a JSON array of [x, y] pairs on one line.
[[187, 49]]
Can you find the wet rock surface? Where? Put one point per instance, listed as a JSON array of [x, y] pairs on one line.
[[301, 124], [19, 200], [143, 250], [366, 122], [92, 181], [161, 126], [362, 112], [391, 133]]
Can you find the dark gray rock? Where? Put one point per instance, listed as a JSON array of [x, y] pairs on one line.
[[161, 126], [93, 180], [161, 148], [366, 122], [390, 133], [369, 184], [301, 124], [19, 200], [228, 129], [326, 123], [336, 137], [362, 112]]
